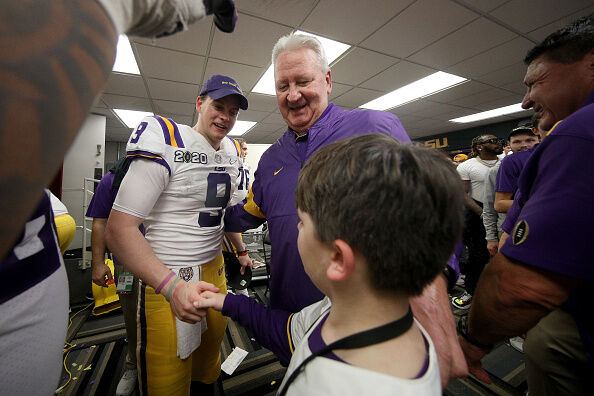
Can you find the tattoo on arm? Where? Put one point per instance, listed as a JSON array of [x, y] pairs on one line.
[[55, 56]]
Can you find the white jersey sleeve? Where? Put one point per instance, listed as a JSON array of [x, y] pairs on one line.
[[156, 138]]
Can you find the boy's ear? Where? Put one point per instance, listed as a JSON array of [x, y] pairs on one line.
[[342, 261]]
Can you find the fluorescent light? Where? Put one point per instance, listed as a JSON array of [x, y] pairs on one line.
[[515, 108], [266, 83], [424, 87], [125, 62], [241, 127], [333, 50], [131, 117]]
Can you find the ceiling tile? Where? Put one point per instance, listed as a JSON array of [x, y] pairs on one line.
[[338, 89], [359, 65], [166, 106], [252, 115], [127, 102], [474, 38], [287, 12], [356, 97], [397, 76], [509, 74], [274, 118], [194, 40], [472, 101], [526, 16], [125, 84], [171, 90], [483, 5], [246, 76], [516, 87], [504, 101], [249, 30], [261, 102], [334, 18], [494, 59], [459, 91], [432, 109], [170, 65], [418, 26]]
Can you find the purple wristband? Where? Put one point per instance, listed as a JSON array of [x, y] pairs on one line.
[[158, 289]]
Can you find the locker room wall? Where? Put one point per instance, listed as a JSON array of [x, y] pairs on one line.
[[86, 153]]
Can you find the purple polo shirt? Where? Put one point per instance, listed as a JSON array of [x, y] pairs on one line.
[[102, 200], [274, 193], [554, 217], [510, 169]]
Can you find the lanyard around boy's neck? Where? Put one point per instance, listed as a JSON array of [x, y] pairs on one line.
[[358, 340]]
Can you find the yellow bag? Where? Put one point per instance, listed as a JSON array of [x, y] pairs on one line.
[[106, 298]]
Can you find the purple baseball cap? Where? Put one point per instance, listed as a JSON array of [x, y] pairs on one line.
[[219, 86]]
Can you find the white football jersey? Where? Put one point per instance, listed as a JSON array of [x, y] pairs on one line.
[[243, 182], [185, 225]]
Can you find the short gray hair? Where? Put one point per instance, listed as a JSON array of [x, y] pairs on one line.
[[297, 41]]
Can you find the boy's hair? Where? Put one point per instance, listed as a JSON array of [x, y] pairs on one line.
[[399, 206], [568, 44]]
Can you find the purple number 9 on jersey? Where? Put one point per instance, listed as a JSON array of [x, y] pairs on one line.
[[136, 135]]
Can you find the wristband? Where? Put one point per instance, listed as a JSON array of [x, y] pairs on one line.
[[462, 328], [158, 289], [242, 253], [171, 288]]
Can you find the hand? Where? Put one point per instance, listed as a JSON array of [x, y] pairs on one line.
[[432, 310], [212, 300], [473, 357], [101, 274], [492, 247], [185, 297], [225, 15], [245, 261]]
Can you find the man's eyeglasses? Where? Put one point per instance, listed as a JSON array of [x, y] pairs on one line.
[[492, 140]]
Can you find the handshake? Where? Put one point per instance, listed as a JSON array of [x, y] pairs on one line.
[[190, 300]]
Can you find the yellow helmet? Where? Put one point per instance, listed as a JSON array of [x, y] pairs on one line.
[[106, 298]]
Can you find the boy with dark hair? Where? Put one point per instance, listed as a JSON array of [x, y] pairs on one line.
[[379, 220]]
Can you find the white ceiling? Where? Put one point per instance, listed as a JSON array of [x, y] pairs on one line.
[[394, 42]]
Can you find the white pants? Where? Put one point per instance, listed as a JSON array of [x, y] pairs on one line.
[[32, 334]]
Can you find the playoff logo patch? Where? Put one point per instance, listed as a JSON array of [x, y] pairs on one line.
[[186, 273], [520, 233]]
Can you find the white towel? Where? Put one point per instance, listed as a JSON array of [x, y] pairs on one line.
[[189, 335]]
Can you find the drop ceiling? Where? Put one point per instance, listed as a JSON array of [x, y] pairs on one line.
[[394, 42]]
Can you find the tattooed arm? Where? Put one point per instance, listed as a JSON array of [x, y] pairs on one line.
[[55, 56]]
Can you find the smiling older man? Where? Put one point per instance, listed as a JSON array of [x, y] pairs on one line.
[[303, 83], [542, 278]]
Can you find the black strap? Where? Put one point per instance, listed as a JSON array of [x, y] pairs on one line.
[[358, 340]]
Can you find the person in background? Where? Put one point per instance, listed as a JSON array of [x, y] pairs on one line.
[[543, 274], [459, 158], [485, 151], [303, 83], [347, 249], [521, 139], [99, 209], [49, 85]]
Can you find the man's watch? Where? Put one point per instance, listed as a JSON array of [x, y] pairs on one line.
[[462, 328]]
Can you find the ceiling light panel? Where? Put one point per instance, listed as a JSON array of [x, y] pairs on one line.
[[424, 87], [241, 127], [125, 62], [131, 118], [515, 108]]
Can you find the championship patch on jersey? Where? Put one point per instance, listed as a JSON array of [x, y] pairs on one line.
[[190, 156], [186, 273], [520, 232]]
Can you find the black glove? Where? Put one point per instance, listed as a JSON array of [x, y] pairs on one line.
[[225, 15]]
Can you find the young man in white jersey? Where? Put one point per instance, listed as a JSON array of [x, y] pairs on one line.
[[178, 186]]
